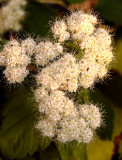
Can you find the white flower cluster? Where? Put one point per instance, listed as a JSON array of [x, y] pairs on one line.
[[78, 24], [64, 121], [46, 51], [11, 15], [62, 74], [60, 31], [81, 24], [16, 57], [94, 41], [60, 71], [98, 55]]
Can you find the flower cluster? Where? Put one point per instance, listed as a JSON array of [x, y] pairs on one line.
[[94, 41], [98, 52], [64, 121], [12, 13], [61, 70], [62, 74], [47, 51], [15, 56], [60, 31]]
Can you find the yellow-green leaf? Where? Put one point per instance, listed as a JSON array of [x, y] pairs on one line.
[[17, 135]]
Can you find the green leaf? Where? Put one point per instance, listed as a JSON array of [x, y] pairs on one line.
[[72, 46], [78, 151], [100, 150], [38, 17], [118, 53], [44, 142], [63, 150], [17, 135], [117, 122], [111, 91], [82, 96], [110, 10]]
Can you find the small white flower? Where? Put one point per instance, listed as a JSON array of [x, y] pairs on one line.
[[59, 30], [79, 22], [46, 51], [86, 135], [29, 46], [15, 74], [91, 114], [47, 127]]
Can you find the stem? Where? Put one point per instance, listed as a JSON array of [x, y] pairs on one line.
[[31, 68]]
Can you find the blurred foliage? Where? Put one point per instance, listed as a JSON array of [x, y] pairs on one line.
[[17, 137], [118, 54], [112, 88], [44, 142], [117, 122], [78, 151], [64, 150], [110, 10], [38, 17], [100, 150]]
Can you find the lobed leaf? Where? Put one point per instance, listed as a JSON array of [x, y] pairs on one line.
[[17, 135]]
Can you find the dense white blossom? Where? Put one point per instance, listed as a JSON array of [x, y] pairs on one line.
[[59, 30], [61, 74], [15, 74], [91, 114], [102, 52], [80, 58], [47, 127], [16, 60], [71, 128], [81, 23], [28, 45], [56, 105], [86, 135], [46, 51]]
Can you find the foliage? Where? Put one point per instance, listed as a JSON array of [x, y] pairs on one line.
[[111, 10], [38, 23], [17, 135]]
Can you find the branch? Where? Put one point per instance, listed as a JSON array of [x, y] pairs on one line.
[[87, 5], [116, 153], [31, 68]]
